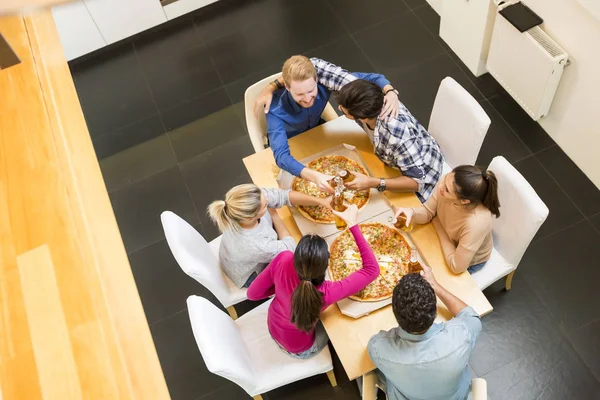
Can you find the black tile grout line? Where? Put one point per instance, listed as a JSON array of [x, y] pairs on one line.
[[144, 247], [166, 318], [562, 330], [106, 133], [168, 137], [212, 62], [364, 28], [530, 155], [205, 395], [339, 19], [139, 62], [560, 187], [189, 192], [177, 164], [435, 35], [143, 178], [592, 225], [561, 230], [563, 335]]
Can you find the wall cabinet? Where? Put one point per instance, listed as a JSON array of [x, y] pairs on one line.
[[78, 32], [466, 26]]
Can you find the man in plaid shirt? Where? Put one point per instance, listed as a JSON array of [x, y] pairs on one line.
[[399, 142], [294, 104]]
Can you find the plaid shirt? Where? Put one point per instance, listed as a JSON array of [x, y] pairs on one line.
[[334, 78], [403, 143], [399, 142], [286, 118]]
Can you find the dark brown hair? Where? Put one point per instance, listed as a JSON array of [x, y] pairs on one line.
[[478, 186], [310, 262], [362, 99], [414, 304]]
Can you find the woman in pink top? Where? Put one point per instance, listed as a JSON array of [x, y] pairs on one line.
[[301, 292]]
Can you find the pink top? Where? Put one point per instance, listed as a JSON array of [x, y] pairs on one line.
[[280, 278]]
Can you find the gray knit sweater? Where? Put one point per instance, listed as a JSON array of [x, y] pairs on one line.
[[250, 250]]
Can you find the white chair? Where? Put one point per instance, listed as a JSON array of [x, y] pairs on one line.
[[244, 352], [522, 212], [257, 126], [200, 260], [458, 124], [478, 389]]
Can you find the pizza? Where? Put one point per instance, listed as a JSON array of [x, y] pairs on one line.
[[391, 250], [329, 165]]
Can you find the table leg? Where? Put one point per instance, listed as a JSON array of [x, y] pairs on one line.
[[369, 388]]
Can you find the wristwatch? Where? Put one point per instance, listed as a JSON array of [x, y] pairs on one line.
[[277, 84], [392, 90], [381, 187]]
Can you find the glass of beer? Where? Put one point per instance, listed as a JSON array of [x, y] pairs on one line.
[[337, 203], [346, 175], [414, 266], [400, 223]]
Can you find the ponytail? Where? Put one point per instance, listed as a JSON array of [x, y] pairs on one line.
[[478, 186], [490, 200], [242, 202], [216, 211], [310, 262], [306, 306]]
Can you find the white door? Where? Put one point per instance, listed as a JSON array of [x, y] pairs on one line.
[[466, 26], [119, 19], [78, 33]]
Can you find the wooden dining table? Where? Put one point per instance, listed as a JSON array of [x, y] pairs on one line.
[[350, 336]]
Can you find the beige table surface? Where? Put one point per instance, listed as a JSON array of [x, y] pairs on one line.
[[350, 336]]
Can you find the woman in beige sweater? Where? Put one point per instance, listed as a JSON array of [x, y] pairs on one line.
[[463, 206]]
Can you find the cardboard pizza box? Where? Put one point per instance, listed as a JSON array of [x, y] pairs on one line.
[[357, 309], [376, 205]]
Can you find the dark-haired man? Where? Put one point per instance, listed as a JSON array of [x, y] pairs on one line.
[[420, 359], [399, 141], [295, 102]]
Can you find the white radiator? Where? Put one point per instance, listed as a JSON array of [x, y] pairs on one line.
[[528, 65]]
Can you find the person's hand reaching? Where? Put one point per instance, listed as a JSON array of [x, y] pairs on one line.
[[350, 215], [427, 274], [408, 213], [323, 184], [391, 105], [362, 182], [263, 101]]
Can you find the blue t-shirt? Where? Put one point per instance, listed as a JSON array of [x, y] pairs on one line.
[[286, 118]]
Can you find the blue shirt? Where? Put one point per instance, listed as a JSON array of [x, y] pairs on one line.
[[286, 118], [431, 366]]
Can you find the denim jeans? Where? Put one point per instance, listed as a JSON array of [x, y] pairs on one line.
[[321, 340], [251, 279], [477, 267]]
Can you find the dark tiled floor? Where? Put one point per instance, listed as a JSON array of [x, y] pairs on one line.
[[165, 111]]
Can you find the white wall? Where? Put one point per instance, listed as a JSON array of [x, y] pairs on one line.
[[574, 119]]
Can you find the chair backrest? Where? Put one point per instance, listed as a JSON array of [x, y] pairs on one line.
[[194, 255], [458, 123], [219, 340], [257, 126], [522, 212]]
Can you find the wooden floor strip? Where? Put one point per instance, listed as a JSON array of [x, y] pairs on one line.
[[47, 325]]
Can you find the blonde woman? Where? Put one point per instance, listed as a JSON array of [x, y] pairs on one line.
[[253, 232]]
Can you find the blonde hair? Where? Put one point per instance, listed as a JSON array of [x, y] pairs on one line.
[[241, 202], [298, 68]]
